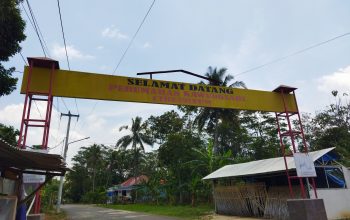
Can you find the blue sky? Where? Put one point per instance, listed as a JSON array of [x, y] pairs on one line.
[[189, 35]]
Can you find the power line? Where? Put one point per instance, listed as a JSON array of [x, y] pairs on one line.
[[61, 142], [24, 60], [64, 103], [126, 50], [292, 54], [37, 108], [65, 46], [133, 38], [64, 38], [36, 29]]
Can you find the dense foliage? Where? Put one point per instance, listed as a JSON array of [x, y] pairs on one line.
[[11, 34], [8, 134]]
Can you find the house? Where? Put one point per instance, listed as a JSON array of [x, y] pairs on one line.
[[260, 188], [123, 191]]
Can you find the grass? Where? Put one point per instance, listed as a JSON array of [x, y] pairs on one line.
[[52, 215], [183, 212]]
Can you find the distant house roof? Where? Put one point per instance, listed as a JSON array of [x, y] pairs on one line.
[[261, 166], [134, 181]]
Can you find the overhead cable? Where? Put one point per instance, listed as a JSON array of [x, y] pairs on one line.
[[65, 46], [292, 54], [37, 29], [127, 48], [64, 38], [134, 36]]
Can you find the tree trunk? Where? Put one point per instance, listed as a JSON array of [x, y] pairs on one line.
[[216, 135], [93, 180], [193, 199]]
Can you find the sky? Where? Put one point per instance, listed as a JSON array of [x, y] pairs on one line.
[[183, 34]]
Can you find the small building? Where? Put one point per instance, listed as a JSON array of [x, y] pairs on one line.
[[123, 191], [17, 165], [260, 188]]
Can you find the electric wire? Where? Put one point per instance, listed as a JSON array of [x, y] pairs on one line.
[[36, 28], [39, 30], [126, 50], [64, 103], [65, 45], [292, 54], [37, 108], [58, 129], [50, 148], [134, 36], [24, 60], [64, 38]]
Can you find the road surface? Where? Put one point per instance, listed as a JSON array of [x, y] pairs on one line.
[[93, 212]]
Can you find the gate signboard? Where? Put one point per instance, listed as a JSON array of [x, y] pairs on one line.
[[75, 84]]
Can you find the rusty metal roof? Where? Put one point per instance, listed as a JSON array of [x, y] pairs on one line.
[[12, 158]]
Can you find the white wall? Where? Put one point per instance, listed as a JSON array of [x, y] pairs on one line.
[[346, 172], [336, 201]]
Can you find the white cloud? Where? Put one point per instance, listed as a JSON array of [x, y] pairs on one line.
[[99, 47], [113, 32], [146, 45], [339, 80], [95, 122], [11, 115], [59, 52]]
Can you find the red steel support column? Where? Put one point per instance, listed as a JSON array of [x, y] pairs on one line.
[[27, 121], [290, 133]]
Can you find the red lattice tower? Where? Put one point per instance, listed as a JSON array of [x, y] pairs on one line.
[[292, 133], [41, 96]]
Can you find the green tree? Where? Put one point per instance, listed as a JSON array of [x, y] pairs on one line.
[[174, 155], [11, 34], [168, 123], [262, 140], [49, 194], [139, 135], [331, 127], [212, 117], [94, 160], [89, 175], [8, 133]]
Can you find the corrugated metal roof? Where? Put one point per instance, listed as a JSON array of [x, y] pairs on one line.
[[134, 181], [261, 166], [12, 157]]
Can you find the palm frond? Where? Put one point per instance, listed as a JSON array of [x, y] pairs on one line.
[[124, 127], [238, 84], [124, 141]]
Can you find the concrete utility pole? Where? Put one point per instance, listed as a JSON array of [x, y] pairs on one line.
[[59, 196]]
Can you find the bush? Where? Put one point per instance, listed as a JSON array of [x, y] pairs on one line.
[[94, 197]]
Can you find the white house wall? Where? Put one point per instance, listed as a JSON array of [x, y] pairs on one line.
[[336, 201]]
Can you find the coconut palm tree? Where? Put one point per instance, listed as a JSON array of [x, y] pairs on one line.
[[137, 138], [212, 117]]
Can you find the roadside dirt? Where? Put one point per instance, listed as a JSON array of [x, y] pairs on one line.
[[224, 217]]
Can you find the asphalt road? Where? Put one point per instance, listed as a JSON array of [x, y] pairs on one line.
[[93, 212]]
